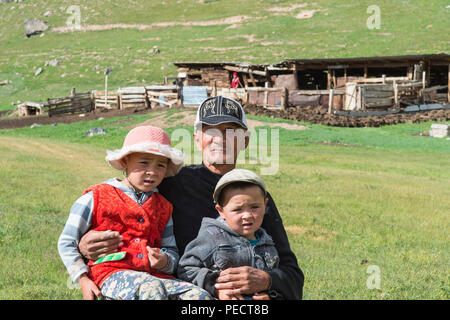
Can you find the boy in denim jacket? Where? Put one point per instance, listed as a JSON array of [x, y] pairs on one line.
[[234, 239]]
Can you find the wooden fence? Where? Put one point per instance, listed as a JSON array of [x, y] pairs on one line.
[[110, 100], [132, 97], [165, 95], [76, 103]]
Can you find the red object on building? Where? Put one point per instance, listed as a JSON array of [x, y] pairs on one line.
[[235, 81]]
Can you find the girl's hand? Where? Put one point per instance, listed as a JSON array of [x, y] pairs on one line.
[[157, 260], [88, 288]]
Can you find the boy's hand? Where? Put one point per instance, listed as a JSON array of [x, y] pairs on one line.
[[89, 288], [157, 260]]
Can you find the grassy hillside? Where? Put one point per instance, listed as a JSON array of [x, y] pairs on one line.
[[253, 31]]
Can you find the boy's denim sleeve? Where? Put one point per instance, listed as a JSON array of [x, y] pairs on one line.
[[196, 264]]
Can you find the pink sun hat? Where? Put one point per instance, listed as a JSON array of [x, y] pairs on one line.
[[147, 139]]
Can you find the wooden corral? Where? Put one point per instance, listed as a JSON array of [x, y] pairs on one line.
[[108, 100], [129, 97], [132, 97], [75, 103], [163, 95]]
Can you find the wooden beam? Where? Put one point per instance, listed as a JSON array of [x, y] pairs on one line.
[[253, 80], [162, 102], [284, 98], [266, 95], [423, 86], [264, 89], [245, 70], [330, 101], [329, 79], [340, 66], [244, 77], [396, 94], [317, 92], [162, 94], [435, 88]]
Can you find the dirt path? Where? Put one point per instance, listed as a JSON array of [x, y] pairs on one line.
[[316, 115], [100, 27], [10, 123], [187, 118]]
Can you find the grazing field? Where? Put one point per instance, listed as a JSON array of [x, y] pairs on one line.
[[349, 199], [121, 33], [366, 209]]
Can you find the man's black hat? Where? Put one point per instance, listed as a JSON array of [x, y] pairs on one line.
[[217, 110]]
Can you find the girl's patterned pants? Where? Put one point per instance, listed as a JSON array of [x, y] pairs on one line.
[[136, 285]]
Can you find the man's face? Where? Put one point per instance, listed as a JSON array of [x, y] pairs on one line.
[[222, 143]]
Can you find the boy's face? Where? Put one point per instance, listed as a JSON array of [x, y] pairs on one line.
[[145, 171], [243, 210]]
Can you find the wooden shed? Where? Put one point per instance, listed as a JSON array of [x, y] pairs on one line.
[[341, 83]]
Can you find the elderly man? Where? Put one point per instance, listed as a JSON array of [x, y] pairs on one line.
[[191, 193]]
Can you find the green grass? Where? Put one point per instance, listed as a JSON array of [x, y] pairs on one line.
[[384, 203]]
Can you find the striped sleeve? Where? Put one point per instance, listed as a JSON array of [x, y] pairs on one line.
[[77, 225], [168, 242]]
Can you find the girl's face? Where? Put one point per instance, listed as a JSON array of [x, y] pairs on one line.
[[145, 171], [243, 210]]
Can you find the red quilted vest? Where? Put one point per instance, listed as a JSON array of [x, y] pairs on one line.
[[140, 226]]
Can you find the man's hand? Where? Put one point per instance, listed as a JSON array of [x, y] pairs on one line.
[[96, 244], [89, 288], [156, 259], [243, 280]]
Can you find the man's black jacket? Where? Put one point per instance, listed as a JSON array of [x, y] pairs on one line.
[[191, 194]]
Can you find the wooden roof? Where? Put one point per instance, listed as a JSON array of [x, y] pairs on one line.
[[324, 63], [382, 61]]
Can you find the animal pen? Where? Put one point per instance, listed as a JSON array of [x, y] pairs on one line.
[[369, 83]]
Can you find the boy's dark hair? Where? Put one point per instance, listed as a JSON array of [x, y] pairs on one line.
[[236, 185]]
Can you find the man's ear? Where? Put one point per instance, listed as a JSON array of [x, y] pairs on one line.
[[266, 201], [197, 138], [247, 138]]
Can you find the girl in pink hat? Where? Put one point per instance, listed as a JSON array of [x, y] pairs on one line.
[[133, 208]]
